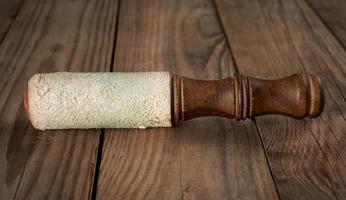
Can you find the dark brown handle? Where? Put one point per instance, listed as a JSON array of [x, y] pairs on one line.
[[240, 97]]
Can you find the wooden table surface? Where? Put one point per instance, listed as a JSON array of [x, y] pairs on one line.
[[270, 157]]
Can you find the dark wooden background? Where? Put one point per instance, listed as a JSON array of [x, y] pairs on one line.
[[270, 157]]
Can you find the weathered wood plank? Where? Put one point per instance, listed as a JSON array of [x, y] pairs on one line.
[[8, 12], [333, 14], [50, 36], [206, 158], [273, 38]]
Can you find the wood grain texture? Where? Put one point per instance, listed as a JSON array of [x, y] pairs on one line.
[[333, 14], [50, 36], [242, 97], [8, 12], [205, 158], [273, 38]]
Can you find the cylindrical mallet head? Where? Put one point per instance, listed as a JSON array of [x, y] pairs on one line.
[[99, 100], [156, 99]]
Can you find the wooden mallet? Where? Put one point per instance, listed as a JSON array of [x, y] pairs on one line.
[[66, 100]]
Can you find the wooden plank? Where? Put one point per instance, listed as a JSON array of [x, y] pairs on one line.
[[50, 36], [333, 14], [206, 158], [8, 11], [271, 39]]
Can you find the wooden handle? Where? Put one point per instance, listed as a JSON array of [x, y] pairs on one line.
[[240, 97]]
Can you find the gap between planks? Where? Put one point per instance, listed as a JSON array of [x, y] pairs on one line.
[[102, 133], [237, 71], [31, 158], [190, 127], [314, 139], [14, 16]]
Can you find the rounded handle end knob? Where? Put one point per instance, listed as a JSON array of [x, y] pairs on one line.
[[316, 96]]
